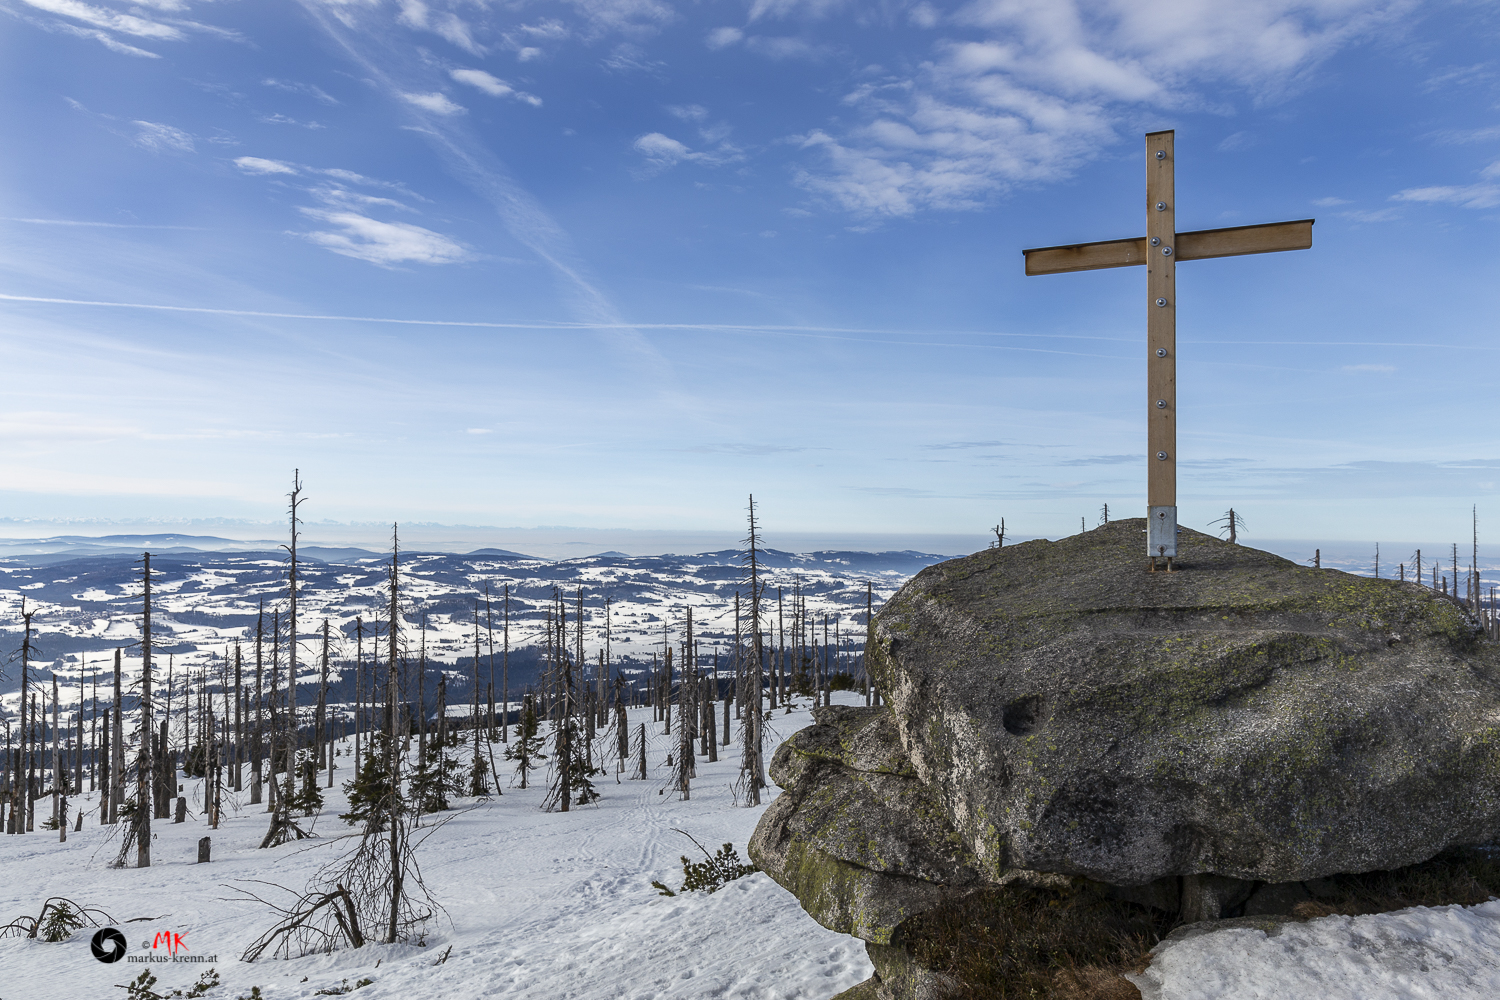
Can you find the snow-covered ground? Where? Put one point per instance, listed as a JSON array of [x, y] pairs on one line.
[[543, 905], [1452, 952], [559, 905]]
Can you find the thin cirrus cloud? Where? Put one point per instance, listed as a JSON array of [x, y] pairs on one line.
[[493, 85], [256, 165], [296, 87], [161, 138], [1482, 195]]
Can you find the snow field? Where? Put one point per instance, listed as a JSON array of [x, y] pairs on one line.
[[1452, 952], [539, 905]]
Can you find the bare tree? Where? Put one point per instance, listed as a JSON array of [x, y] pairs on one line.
[[138, 830], [258, 732], [294, 501], [239, 722], [752, 768], [21, 787], [1230, 524], [393, 758], [117, 768], [505, 671]]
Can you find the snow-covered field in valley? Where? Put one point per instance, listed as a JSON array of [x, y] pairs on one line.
[[560, 905]]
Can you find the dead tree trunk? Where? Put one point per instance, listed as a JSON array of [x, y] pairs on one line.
[[258, 731], [143, 794]]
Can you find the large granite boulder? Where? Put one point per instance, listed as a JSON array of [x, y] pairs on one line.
[[1243, 716], [1205, 742]]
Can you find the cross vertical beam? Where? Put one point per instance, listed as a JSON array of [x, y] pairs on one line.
[[1161, 347]]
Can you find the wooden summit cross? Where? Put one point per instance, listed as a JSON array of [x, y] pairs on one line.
[[1159, 250]]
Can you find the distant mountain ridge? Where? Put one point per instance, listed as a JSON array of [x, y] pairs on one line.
[[85, 594]]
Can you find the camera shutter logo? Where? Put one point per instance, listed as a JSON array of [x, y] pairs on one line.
[[108, 945]]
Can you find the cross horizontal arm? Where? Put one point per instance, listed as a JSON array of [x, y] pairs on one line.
[[1199, 245]]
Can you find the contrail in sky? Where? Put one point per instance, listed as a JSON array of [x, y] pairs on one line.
[[827, 332]]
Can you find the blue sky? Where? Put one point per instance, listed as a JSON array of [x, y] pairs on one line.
[[640, 259]]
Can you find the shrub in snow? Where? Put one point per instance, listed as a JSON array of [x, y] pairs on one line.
[[143, 987], [712, 874], [370, 786], [58, 920], [309, 797], [62, 920]]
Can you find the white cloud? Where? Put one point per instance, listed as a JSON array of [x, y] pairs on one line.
[[492, 85], [527, 53], [280, 119], [924, 15], [1369, 215], [773, 47], [1487, 134], [479, 430], [629, 57], [663, 151], [292, 86], [722, 38], [98, 17], [354, 178], [547, 27], [445, 24], [1237, 141], [437, 103], [1331, 202], [786, 8], [1486, 195], [162, 138], [256, 165], [688, 112], [107, 40], [384, 243], [1460, 76], [1052, 85], [341, 197], [632, 18], [1466, 196]]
